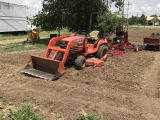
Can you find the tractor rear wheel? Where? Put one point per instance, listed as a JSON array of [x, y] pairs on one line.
[[80, 62], [102, 52]]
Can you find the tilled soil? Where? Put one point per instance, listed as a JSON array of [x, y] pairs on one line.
[[136, 35], [123, 89]]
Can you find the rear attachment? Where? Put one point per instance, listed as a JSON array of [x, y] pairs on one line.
[[42, 68]]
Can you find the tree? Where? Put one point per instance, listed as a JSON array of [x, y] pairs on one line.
[[118, 3], [143, 20], [73, 14], [52, 16], [138, 20], [133, 20], [109, 22]]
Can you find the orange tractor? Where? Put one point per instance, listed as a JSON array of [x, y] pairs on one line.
[[80, 49]]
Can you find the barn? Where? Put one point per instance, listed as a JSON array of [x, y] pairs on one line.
[[14, 18]]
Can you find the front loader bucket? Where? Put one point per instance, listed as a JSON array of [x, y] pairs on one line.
[[42, 68]]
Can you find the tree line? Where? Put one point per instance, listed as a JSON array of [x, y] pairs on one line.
[[79, 15], [142, 20]]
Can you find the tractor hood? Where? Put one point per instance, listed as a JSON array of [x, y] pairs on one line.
[[73, 38]]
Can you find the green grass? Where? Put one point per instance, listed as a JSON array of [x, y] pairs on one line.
[[88, 117], [23, 47], [12, 37], [23, 112], [3, 98], [43, 34], [144, 27], [1, 116], [47, 33], [13, 47], [41, 44]]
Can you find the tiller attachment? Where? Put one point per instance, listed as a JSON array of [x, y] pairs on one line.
[[43, 68]]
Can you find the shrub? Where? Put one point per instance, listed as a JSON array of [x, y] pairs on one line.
[[85, 116], [1, 116], [23, 112]]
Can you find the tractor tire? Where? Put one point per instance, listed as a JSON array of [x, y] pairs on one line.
[[102, 52], [80, 62]]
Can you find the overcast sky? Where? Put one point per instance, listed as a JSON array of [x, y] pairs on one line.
[[137, 7], [148, 7]]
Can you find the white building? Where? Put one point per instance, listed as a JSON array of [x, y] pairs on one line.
[[13, 18], [155, 21]]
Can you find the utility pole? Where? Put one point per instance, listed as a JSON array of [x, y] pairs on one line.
[[123, 9], [128, 4], [123, 13]]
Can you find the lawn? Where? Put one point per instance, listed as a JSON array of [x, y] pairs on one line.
[[21, 47], [43, 34], [134, 27], [16, 42], [13, 45]]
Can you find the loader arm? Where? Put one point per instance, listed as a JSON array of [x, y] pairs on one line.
[[51, 67]]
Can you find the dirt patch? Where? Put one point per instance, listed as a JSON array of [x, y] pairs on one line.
[[150, 86], [136, 35], [120, 90], [108, 91]]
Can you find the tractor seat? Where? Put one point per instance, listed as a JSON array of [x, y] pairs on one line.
[[119, 36], [91, 40], [93, 37]]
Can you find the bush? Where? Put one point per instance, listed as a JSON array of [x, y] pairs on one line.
[[24, 112], [85, 116], [109, 22]]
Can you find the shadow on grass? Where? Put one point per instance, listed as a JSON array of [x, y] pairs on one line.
[[44, 41]]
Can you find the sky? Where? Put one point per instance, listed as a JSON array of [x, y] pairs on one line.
[[33, 5], [147, 7], [137, 7]]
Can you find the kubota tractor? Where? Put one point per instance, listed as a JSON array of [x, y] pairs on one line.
[[78, 49]]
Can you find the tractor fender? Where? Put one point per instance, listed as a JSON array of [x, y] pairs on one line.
[[100, 43]]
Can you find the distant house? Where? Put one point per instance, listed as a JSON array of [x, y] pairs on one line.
[[14, 18], [155, 21]]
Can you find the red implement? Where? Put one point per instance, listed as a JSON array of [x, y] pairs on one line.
[[121, 44]]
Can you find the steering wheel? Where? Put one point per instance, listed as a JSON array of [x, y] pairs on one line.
[[82, 33]]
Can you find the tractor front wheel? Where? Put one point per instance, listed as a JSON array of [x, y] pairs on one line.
[[102, 52], [80, 62]]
